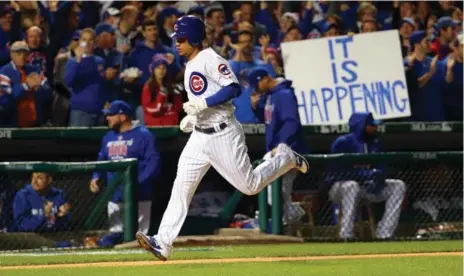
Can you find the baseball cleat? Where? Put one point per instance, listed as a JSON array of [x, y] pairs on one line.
[[301, 163], [150, 244], [281, 148]]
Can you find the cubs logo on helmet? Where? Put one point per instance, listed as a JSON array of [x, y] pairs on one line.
[[197, 83], [223, 69]]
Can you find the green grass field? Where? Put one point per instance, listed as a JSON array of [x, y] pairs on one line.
[[396, 266]]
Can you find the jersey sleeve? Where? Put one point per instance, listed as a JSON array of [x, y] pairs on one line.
[[219, 70]]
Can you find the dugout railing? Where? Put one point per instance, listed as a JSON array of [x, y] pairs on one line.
[[434, 196], [88, 211], [432, 207]]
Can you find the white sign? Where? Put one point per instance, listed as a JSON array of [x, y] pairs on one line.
[[335, 77]]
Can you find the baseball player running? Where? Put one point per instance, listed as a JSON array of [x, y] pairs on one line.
[[217, 138]]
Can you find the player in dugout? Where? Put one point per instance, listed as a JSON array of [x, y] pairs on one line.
[[127, 139], [40, 207]]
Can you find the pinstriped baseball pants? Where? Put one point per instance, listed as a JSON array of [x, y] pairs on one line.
[[227, 152]]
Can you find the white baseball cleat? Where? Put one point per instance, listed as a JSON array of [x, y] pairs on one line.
[[301, 163], [152, 245]]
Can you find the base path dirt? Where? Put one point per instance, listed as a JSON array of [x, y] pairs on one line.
[[234, 260]]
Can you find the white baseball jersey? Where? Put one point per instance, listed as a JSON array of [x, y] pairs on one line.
[[205, 75], [225, 149]]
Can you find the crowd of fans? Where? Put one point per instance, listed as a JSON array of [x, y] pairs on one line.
[[64, 61]]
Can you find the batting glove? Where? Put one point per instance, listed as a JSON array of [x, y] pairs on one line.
[[195, 107], [186, 125]]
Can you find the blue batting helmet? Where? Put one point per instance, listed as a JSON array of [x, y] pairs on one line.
[[190, 27]]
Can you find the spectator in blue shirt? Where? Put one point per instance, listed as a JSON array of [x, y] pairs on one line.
[[430, 73], [113, 59], [166, 21], [141, 57], [452, 96], [111, 16], [85, 76], [39, 207], [241, 63], [9, 31]]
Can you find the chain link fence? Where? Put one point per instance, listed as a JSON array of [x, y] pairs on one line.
[[432, 206], [31, 219]]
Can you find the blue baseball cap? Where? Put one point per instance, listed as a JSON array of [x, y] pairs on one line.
[[168, 11], [327, 26], [103, 27], [118, 107], [254, 76], [416, 37], [445, 22], [196, 10], [76, 35], [111, 12]]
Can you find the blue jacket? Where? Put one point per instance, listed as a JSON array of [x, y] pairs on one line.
[[8, 38], [428, 105], [355, 142], [279, 112], [142, 56], [12, 91], [112, 59], [138, 143], [28, 211], [452, 96], [243, 111], [86, 81]]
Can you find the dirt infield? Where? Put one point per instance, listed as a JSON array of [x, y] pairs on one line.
[[233, 260]]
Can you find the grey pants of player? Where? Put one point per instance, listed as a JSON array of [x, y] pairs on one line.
[[292, 212], [348, 193]]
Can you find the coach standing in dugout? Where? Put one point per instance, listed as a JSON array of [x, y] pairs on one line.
[[274, 103], [127, 139]]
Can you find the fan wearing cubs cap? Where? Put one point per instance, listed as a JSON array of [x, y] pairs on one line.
[[446, 34], [217, 137], [127, 139]]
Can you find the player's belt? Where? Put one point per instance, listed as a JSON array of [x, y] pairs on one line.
[[211, 130]]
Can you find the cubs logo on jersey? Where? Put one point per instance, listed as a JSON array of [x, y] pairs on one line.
[[197, 83], [118, 149], [223, 69]]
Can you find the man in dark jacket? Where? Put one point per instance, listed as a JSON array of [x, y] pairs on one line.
[[112, 57], [85, 76], [348, 185], [24, 93], [274, 102]]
